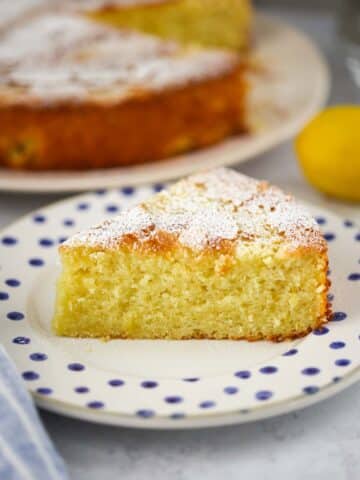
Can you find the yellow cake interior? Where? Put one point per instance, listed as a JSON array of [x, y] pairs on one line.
[[220, 23], [182, 295], [218, 256]]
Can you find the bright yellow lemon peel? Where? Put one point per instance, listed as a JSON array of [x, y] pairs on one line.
[[328, 150]]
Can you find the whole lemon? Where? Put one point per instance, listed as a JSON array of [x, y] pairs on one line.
[[328, 149]]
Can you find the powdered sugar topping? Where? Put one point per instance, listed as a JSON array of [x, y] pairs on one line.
[[206, 209], [57, 57]]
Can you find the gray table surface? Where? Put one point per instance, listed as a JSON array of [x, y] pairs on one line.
[[321, 442]]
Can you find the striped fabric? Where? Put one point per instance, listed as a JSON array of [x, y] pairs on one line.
[[26, 452]]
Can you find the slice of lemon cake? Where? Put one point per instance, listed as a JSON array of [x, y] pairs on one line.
[[219, 256]]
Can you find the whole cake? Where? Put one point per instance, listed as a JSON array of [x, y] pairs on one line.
[[75, 94], [218, 256], [219, 23]]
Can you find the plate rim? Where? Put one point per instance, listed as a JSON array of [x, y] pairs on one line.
[[170, 168], [210, 420]]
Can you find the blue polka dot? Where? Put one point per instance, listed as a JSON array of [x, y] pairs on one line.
[[310, 371], [112, 208], [39, 218], [263, 395], [127, 190], [36, 262], [76, 367], [338, 316], [157, 187], [336, 379], [29, 375], [191, 379], [177, 416], [321, 331], [4, 296], [44, 391], [320, 220], [21, 340], [310, 390], [290, 353], [81, 389], [62, 239], [173, 399], [116, 382], [83, 206], [329, 237], [46, 242], [68, 222], [95, 404], [353, 277], [38, 357], [348, 223], [342, 362], [15, 316], [337, 345], [12, 282], [243, 374], [330, 297], [268, 370], [100, 191], [207, 404], [149, 384], [9, 241], [357, 237], [145, 413], [231, 390]]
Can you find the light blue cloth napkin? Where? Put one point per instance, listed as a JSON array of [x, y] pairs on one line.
[[26, 452]]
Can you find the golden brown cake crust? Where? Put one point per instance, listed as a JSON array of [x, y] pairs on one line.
[[96, 136]]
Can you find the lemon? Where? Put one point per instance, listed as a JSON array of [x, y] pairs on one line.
[[328, 149]]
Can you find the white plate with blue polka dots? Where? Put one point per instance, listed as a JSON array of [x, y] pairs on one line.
[[166, 384]]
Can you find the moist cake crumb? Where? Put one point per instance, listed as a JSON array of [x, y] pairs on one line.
[[218, 256]]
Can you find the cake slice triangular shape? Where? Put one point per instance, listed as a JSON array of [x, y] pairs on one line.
[[218, 255]]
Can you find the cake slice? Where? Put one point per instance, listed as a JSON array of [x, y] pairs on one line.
[[75, 94], [219, 23], [219, 256]]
